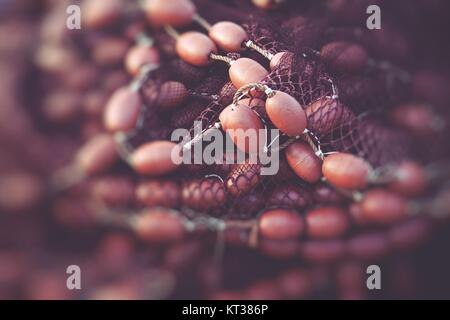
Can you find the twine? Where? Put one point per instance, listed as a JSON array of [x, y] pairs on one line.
[[242, 91], [250, 44], [219, 57], [202, 22]]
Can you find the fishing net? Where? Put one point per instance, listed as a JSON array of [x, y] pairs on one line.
[[343, 113], [210, 204]]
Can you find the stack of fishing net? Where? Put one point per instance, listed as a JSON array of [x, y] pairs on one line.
[[224, 230]]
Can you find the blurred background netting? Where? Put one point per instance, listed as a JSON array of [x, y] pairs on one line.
[[194, 233]]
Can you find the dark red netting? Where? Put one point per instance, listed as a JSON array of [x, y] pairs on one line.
[[87, 179], [263, 35], [302, 76], [333, 102]]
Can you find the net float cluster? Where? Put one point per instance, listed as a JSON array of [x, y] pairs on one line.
[[361, 119]]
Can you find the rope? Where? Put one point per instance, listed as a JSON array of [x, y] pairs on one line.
[[202, 22], [218, 57], [306, 137], [265, 53], [242, 91]]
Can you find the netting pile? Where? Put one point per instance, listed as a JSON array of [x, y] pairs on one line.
[[198, 232]]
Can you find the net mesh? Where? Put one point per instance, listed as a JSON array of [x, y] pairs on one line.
[[346, 112], [189, 233]]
